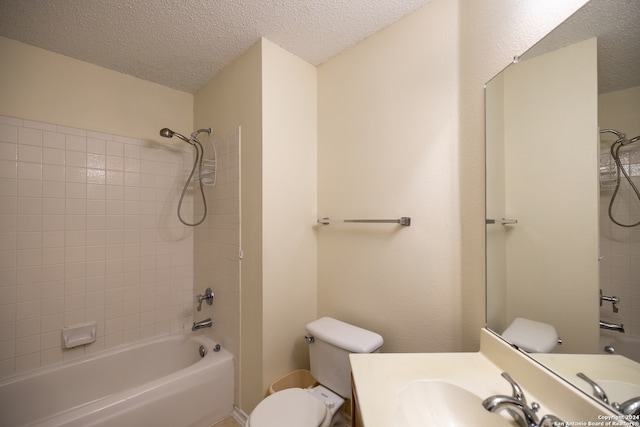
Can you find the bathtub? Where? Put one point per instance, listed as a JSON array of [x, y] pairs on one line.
[[158, 382], [623, 344]]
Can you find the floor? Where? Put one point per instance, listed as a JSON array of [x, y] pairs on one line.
[[227, 422]]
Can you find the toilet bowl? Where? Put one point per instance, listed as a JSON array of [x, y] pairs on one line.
[[312, 407], [330, 343]]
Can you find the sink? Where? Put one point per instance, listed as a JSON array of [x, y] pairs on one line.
[[440, 403]]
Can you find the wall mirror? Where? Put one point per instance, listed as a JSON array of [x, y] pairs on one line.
[[554, 255]]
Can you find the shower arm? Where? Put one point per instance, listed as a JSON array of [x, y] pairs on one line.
[[622, 137], [194, 134]]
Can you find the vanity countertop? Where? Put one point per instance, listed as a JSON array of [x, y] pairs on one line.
[[379, 379]]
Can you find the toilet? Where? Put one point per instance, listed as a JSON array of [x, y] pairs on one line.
[[330, 343], [531, 336]]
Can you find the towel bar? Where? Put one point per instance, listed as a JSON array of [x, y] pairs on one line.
[[405, 221]]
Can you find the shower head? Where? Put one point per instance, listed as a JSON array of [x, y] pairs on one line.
[[168, 133]]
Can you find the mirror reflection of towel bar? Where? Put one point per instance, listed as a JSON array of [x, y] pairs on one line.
[[405, 220], [504, 221]]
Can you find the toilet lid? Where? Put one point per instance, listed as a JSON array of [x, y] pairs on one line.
[[293, 406]]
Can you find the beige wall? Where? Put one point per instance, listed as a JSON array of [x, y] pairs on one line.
[[271, 95], [401, 133], [289, 182], [388, 133], [234, 99], [496, 267], [551, 116], [40, 85], [492, 32]]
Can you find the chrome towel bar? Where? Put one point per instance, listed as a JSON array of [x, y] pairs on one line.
[[405, 220], [504, 221]]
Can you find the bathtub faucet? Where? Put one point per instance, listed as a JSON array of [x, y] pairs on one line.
[[612, 326], [613, 300], [206, 323], [208, 297]]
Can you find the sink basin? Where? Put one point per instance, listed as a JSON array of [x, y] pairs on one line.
[[443, 404]]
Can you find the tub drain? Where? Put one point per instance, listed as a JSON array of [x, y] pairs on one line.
[[202, 350]]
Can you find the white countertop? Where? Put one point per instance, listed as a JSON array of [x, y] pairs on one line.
[[380, 377]]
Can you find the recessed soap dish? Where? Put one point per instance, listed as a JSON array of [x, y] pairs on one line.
[[80, 334]]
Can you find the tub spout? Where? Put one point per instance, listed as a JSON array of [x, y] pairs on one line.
[[206, 323], [612, 326]]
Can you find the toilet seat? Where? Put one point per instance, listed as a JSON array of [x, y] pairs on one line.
[[293, 406]]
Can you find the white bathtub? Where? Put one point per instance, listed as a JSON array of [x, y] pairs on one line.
[[623, 344], [158, 382]]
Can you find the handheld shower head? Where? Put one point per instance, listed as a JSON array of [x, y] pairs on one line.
[[168, 133]]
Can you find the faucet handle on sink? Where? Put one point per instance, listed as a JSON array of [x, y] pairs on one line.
[[517, 392]]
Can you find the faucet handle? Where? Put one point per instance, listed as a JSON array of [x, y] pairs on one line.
[[517, 392], [208, 297]]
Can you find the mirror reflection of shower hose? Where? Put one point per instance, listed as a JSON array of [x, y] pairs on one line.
[[615, 149]]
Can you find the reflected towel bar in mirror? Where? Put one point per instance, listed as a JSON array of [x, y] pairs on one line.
[[504, 221], [405, 220]]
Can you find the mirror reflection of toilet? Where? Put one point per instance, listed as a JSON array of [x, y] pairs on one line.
[[330, 343], [531, 336]]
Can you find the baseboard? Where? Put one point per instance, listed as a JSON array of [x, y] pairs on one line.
[[239, 415]]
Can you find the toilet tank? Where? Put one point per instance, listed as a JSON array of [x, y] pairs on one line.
[[329, 352]]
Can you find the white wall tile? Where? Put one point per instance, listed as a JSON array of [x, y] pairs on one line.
[[8, 133], [76, 143], [29, 170], [80, 226], [30, 136], [29, 188], [53, 140], [30, 153], [53, 156]]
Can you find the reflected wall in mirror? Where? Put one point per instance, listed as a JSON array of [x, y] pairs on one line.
[[551, 170]]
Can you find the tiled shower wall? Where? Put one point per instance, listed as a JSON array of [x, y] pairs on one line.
[[620, 246], [88, 232]]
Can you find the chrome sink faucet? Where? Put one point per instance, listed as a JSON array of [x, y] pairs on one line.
[[630, 407], [597, 390], [523, 414], [516, 405]]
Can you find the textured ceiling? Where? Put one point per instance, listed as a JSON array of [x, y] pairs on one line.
[[616, 23], [182, 44]]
